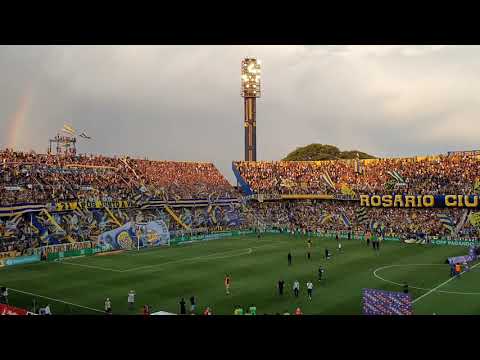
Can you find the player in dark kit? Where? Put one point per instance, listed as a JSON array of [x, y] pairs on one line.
[[183, 309], [321, 271], [289, 258], [327, 254], [281, 284]]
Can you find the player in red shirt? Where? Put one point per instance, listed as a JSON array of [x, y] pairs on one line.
[[298, 311], [207, 311], [146, 310]]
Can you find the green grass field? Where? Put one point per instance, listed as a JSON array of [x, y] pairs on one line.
[[162, 276]]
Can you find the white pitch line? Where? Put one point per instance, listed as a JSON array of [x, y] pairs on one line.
[[417, 287], [206, 257], [89, 266], [53, 299], [213, 256], [202, 257], [445, 282]]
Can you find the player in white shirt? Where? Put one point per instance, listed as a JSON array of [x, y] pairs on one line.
[[309, 289], [339, 246], [108, 306], [296, 288], [131, 299]]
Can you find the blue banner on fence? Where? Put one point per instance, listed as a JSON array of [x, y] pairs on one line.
[[21, 260], [131, 235]]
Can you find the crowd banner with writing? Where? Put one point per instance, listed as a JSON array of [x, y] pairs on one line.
[[9, 254], [73, 253], [98, 204], [304, 196], [420, 201]]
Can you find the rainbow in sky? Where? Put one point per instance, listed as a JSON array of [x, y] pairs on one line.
[[17, 120]]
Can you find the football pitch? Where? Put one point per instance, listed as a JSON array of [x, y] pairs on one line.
[[162, 276]]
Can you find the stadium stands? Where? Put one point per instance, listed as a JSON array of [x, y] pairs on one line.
[[430, 175]]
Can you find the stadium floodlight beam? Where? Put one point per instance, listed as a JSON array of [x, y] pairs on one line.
[[250, 91]]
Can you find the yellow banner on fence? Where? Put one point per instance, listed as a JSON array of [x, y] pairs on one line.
[[74, 205], [312, 197], [9, 254]]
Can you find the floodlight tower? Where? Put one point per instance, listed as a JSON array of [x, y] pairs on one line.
[[250, 92]]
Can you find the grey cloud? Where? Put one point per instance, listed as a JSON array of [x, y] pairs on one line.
[[183, 102]]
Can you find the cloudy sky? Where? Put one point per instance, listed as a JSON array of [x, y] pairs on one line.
[[183, 102]]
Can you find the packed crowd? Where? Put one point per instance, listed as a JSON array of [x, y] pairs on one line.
[[42, 178], [436, 175], [342, 216]]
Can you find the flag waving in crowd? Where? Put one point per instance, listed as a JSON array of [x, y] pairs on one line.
[[68, 129]]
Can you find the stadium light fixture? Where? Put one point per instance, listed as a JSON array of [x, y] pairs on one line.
[[250, 90], [250, 71]]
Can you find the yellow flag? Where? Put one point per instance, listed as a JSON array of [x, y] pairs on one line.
[[474, 219], [476, 186], [346, 190]]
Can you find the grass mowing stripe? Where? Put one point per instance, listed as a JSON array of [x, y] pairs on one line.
[[53, 299]]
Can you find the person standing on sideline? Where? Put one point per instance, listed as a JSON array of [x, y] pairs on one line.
[[146, 310], [227, 282], [4, 295], [296, 288], [309, 289], [289, 258], [131, 299], [458, 270], [183, 310], [367, 236], [298, 311], [47, 310], [108, 306], [192, 304], [281, 284], [452, 269], [207, 311], [252, 310]]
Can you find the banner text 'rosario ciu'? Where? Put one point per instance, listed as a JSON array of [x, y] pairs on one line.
[[420, 201]]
